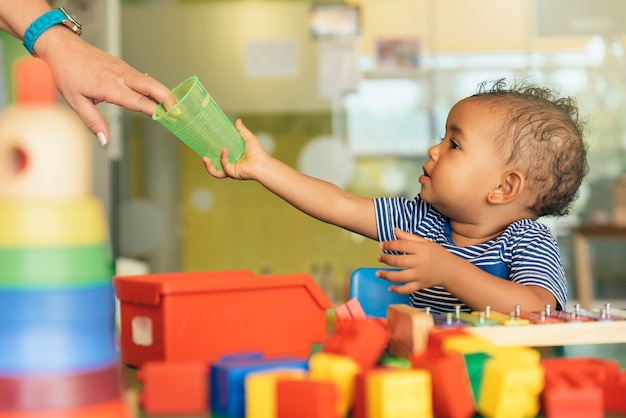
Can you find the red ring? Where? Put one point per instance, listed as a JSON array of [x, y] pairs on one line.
[[20, 393]]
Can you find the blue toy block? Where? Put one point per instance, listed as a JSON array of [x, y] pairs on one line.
[[228, 379], [372, 293]]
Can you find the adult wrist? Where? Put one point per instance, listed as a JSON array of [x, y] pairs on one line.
[[60, 16]]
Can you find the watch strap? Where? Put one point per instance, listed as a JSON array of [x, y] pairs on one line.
[[39, 26]]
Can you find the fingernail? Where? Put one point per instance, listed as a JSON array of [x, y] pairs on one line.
[[102, 138]]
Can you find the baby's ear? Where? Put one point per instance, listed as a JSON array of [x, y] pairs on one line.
[[510, 188]]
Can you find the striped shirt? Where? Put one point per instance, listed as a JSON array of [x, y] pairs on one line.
[[525, 253]]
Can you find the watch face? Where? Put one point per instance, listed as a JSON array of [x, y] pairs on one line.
[[72, 22]]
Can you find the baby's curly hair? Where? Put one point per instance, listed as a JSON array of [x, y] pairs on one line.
[[543, 137]]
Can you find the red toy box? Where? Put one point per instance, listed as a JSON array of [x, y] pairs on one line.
[[203, 316]]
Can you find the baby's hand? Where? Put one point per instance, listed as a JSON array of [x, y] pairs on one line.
[[245, 167], [423, 262]]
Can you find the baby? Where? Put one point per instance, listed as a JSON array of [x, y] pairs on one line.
[[510, 155]]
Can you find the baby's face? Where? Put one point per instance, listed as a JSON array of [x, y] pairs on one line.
[[465, 167]]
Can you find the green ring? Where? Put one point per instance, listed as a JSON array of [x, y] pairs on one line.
[[55, 266]]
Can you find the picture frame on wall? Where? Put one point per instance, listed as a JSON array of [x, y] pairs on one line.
[[398, 54], [332, 21]]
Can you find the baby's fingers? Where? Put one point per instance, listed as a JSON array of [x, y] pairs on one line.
[[243, 131], [394, 260], [211, 169], [400, 234], [227, 166], [404, 289]]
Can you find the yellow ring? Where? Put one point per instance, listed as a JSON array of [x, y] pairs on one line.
[[52, 223]]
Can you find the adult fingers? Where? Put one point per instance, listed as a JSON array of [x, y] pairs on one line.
[[92, 118], [150, 93]]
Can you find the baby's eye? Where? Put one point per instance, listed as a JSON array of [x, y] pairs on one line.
[[454, 144]]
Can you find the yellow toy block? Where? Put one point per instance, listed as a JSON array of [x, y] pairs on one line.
[[510, 389], [339, 369], [260, 391], [524, 355], [466, 344], [408, 329], [398, 394]]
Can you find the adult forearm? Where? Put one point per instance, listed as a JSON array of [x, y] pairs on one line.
[[16, 16]]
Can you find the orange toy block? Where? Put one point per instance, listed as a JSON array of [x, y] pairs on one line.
[[173, 387], [352, 309], [409, 328], [451, 388], [306, 399], [203, 316], [362, 340]]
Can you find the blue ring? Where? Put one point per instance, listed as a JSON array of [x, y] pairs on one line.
[[41, 349], [80, 305]]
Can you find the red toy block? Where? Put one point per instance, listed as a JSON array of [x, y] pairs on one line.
[[362, 340], [571, 396], [359, 408], [203, 316], [306, 399], [615, 394], [352, 309], [601, 373], [592, 367], [173, 387], [451, 388], [597, 370]]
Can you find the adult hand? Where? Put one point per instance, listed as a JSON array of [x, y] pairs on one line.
[[86, 76]]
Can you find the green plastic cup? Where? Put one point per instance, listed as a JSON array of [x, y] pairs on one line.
[[199, 122]]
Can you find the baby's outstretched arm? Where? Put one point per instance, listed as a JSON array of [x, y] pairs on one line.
[[315, 197], [426, 264]]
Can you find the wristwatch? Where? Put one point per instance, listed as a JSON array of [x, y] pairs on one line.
[[47, 20]]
